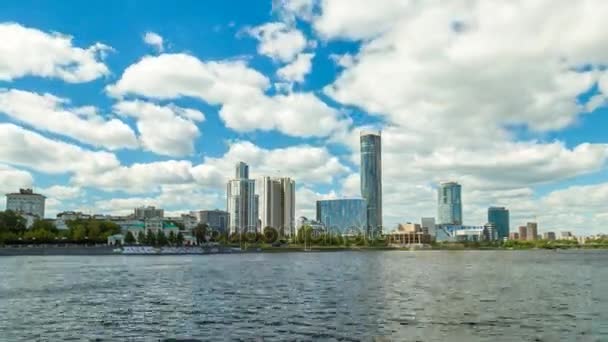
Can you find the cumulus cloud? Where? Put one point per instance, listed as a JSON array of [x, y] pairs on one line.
[[154, 40], [27, 51], [298, 69], [11, 179], [167, 130], [53, 114], [61, 192], [278, 40], [31, 150], [239, 90]]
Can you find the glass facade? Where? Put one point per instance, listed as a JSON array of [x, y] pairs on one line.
[[449, 204], [343, 215], [371, 180], [499, 216]]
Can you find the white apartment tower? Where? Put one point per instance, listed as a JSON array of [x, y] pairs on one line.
[[277, 204]]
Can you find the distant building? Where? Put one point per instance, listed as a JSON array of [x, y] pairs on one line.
[[409, 227], [531, 231], [27, 202], [242, 202], [277, 199], [491, 232], [499, 216], [550, 236], [344, 216], [513, 236], [449, 203], [452, 233], [316, 226], [566, 236], [144, 213], [216, 219], [429, 224], [523, 233], [371, 180]]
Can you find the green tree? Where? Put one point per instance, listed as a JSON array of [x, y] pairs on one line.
[[179, 239], [172, 239], [45, 225], [129, 238], [199, 232], [12, 222], [150, 238], [141, 238], [161, 239]]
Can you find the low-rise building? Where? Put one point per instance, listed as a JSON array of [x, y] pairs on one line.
[[550, 236], [217, 220], [513, 236]]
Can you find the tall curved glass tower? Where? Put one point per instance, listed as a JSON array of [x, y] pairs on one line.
[[449, 203], [371, 180]]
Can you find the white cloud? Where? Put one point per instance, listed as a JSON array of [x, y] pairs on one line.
[[31, 150], [289, 10], [155, 40], [298, 69], [238, 88], [26, 51], [53, 114], [278, 40], [168, 130], [12, 179], [139, 177], [61, 192]]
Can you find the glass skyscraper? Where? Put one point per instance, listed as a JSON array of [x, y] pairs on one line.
[[499, 216], [449, 204], [242, 202], [343, 215], [371, 180]]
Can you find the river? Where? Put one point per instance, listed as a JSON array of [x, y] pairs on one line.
[[350, 296]]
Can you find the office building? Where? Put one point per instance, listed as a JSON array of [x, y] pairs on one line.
[[242, 202], [513, 236], [566, 236], [216, 219], [26, 202], [531, 231], [343, 216], [449, 204], [428, 223], [371, 180], [523, 233], [550, 236], [499, 216], [277, 199], [150, 212]]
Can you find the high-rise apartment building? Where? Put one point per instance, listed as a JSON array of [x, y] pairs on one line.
[[523, 232], [277, 199], [242, 202], [216, 219], [449, 203], [499, 216], [149, 212], [26, 202], [371, 180], [531, 231]]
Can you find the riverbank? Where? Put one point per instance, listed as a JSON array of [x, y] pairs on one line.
[[111, 250]]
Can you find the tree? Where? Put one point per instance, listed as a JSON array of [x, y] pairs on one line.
[[200, 231], [172, 239], [179, 239], [141, 238], [150, 238], [12, 222], [129, 238], [161, 239], [45, 225]]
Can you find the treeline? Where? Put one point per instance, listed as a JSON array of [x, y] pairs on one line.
[[151, 238], [13, 231]]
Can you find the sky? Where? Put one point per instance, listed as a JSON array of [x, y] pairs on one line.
[[110, 105]]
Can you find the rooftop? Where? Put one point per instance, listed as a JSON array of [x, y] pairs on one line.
[[25, 192]]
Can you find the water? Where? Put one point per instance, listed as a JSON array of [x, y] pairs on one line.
[[413, 296]]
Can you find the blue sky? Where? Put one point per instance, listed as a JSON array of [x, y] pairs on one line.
[[287, 85]]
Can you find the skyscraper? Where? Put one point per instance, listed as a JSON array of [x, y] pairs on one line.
[[343, 216], [242, 202], [499, 216], [277, 204], [449, 204], [531, 231], [371, 180]]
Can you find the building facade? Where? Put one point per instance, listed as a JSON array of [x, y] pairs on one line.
[[449, 203], [26, 202], [216, 219], [531, 231], [550, 236], [343, 216], [428, 223], [371, 180], [523, 233], [499, 216], [149, 212], [277, 198], [242, 202]]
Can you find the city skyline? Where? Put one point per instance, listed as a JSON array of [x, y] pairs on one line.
[[107, 118]]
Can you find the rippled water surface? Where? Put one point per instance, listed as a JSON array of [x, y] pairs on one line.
[[412, 296]]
